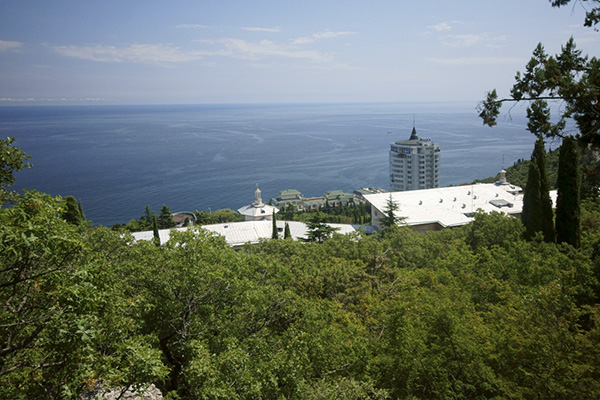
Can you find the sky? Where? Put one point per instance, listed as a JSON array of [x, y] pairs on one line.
[[280, 51]]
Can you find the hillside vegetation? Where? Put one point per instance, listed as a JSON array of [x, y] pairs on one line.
[[469, 312]]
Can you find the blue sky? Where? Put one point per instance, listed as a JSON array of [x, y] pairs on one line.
[[159, 52]]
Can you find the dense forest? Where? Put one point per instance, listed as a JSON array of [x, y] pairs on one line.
[[475, 311]]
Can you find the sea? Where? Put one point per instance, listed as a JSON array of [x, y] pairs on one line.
[[119, 159]]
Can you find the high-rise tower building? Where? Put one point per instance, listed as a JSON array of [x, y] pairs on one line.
[[414, 164]]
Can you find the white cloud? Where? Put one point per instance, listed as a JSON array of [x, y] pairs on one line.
[[240, 48], [258, 29], [442, 26], [470, 39], [140, 53], [160, 54], [193, 26], [6, 45], [329, 34], [320, 35], [477, 60]]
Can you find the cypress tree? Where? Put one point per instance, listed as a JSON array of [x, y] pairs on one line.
[[72, 213], [568, 228], [537, 215], [155, 231], [274, 234], [81, 214], [531, 215], [546, 213], [286, 233]]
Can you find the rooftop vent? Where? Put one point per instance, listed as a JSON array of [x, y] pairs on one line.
[[420, 202], [500, 203]]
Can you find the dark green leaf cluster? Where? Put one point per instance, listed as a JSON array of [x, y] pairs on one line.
[[537, 215], [567, 202]]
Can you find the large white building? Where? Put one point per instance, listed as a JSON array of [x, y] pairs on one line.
[[435, 209], [414, 164]]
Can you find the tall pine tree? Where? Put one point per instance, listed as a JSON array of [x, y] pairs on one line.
[[568, 228]]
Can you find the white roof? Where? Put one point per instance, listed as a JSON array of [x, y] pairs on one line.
[[262, 211], [239, 233], [450, 206]]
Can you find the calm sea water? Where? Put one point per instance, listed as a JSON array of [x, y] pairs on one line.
[[118, 159]]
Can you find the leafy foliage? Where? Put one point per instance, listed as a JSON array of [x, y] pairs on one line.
[[318, 229], [12, 159], [467, 312], [569, 77]]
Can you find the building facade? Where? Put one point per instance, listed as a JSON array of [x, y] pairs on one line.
[[414, 164], [333, 198]]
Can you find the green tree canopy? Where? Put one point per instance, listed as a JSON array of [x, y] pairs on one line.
[[569, 77], [12, 159], [318, 229], [390, 217]]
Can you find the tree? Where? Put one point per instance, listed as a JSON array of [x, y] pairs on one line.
[[568, 77], [274, 233], [537, 213], [286, 232], [592, 16], [73, 213], [390, 218], [318, 230], [81, 213], [568, 228], [65, 321], [12, 159], [155, 231], [532, 212], [165, 219]]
